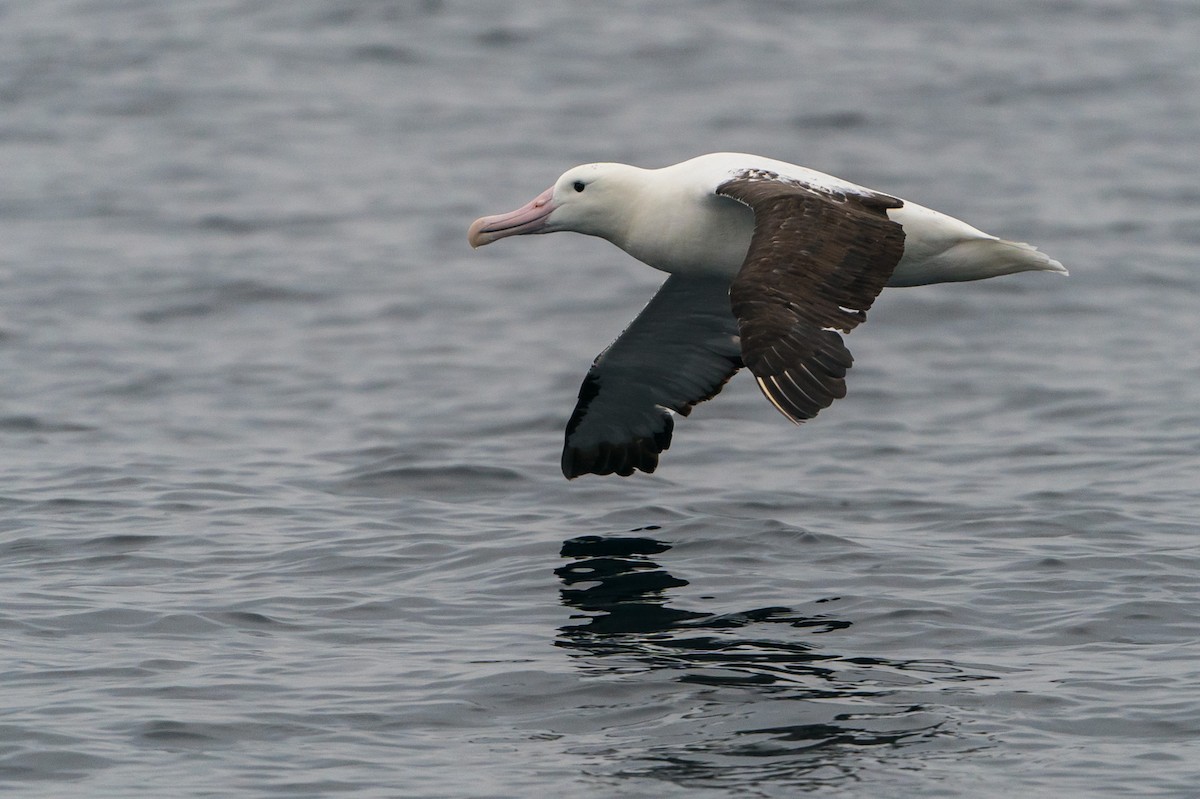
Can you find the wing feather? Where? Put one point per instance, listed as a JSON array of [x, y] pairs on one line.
[[679, 351], [818, 258]]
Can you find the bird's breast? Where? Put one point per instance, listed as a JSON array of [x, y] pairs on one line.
[[698, 238]]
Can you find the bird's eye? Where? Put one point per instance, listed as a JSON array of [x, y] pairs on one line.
[[578, 185]]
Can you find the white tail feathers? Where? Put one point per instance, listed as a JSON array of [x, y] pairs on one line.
[[1032, 259], [975, 259]]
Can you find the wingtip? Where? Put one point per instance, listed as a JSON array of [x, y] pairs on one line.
[[623, 459]]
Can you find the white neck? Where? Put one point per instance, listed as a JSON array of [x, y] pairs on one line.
[[682, 227]]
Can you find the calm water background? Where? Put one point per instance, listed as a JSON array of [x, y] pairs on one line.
[[280, 509]]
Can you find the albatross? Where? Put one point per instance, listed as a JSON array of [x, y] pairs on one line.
[[769, 264]]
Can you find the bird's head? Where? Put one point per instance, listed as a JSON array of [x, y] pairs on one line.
[[595, 199]]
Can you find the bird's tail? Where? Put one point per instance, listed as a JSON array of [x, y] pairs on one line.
[[1017, 256], [976, 259]]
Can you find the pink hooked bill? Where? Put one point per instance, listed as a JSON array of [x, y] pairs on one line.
[[529, 218]]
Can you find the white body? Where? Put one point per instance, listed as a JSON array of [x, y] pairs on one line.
[[672, 220]]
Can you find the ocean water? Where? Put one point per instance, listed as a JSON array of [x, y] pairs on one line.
[[280, 507]]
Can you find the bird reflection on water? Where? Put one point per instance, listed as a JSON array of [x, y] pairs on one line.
[[810, 712]]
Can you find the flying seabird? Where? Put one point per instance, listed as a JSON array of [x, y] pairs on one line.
[[769, 264]]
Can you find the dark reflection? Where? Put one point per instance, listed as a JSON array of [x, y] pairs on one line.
[[614, 579], [622, 595], [779, 704]]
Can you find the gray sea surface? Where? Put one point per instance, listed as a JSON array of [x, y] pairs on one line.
[[280, 506]]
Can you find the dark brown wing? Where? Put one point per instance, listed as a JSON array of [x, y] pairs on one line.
[[680, 350], [817, 260]]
